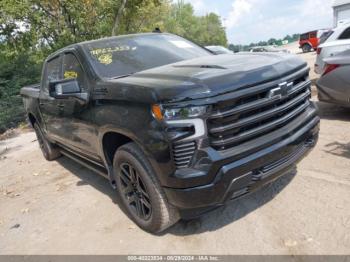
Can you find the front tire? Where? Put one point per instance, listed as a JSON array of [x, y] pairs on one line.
[[48, 149], [306, 48], [140, 191]]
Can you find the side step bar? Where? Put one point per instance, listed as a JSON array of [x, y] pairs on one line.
[[96, 168]]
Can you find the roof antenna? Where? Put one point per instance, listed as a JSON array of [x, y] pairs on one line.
[[156, 30]]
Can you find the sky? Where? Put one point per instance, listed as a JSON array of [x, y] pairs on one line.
[[248, 21]]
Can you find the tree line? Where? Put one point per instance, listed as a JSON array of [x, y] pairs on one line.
[[271, 41], [32, 29]]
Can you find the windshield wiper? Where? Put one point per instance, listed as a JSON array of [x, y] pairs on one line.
[[122, 76], [201, 66]]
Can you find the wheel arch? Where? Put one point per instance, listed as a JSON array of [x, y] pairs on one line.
[[307, 44], [110, 142], [113, 138], [32, 119]]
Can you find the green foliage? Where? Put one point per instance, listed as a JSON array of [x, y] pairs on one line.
[[272, 41], [204, 30], [32, 29]]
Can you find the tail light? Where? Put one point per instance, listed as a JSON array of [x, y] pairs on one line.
[[329, 68], [319, 50]]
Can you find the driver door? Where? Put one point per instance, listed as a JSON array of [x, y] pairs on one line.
[[50, 108], [76, 114]]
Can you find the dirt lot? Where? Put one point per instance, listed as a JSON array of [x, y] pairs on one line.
[[62, 208]]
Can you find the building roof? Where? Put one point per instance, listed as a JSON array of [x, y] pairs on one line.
[[340, 2]]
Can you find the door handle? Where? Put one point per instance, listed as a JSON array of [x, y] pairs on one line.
[[60, 105]]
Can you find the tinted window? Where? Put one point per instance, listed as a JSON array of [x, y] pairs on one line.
[[73, 69], [52, 71], [345, 34], [325, 36], [120, 56], [304, 36]]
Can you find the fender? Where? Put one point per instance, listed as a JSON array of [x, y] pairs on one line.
[[109, 128]]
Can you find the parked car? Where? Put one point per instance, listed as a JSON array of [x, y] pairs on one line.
[[334, 84], [309, 41], [336, 41], [176, 130], [272, 49], [219, 50]]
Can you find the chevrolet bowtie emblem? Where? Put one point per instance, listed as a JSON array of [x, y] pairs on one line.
[[280, 91]]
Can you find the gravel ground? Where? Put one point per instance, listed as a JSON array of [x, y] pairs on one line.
[[62, 208]]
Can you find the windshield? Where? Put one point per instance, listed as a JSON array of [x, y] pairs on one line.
[[122, 56]]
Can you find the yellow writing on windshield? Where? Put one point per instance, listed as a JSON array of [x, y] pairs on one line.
[[105, 55], [105, 59], [106, 50], [70, 74]]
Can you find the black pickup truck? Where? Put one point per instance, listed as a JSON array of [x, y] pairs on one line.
[[177, 130]]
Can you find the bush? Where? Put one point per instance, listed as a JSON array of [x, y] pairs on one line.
[[11, 112], [16, 71]]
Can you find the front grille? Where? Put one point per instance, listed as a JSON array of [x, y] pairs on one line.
[[183, 153], [269, 169], [252, 113]]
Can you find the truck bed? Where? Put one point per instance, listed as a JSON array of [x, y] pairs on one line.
[[31, 91], [30, 95]]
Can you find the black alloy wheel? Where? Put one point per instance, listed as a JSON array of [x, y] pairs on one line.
[[135, 192], [139, 191]]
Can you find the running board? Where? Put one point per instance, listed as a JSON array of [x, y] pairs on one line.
[[86, 163]]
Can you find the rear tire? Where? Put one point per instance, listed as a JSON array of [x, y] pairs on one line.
[[48, 149], [306, 48], [140, 192]]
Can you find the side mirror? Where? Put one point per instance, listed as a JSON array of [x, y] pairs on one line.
[[67, 88]]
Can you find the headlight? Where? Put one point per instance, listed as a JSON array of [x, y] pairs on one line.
[[186, 112], [178, 113]]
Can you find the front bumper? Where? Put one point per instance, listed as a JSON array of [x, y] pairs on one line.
[[235, 175]]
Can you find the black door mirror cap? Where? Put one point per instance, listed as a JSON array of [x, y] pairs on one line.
[[67, 88]]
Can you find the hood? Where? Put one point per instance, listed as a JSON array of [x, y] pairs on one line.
[[209, 76]]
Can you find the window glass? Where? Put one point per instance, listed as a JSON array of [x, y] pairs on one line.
[[345, 34], [52, 71], [115, 57], [313, 34], [325, 36], [304, 36], [72, 69]]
